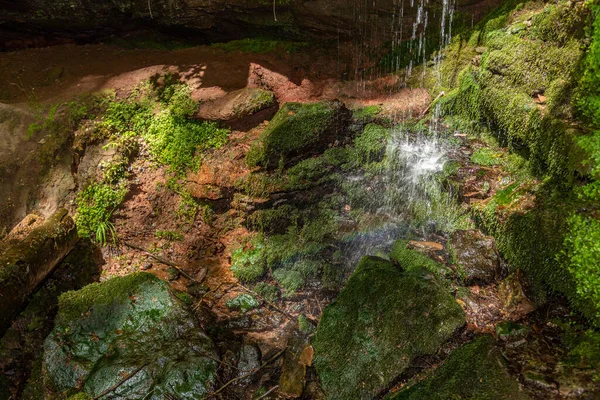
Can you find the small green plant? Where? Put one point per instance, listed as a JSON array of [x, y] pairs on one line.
[[106, 231], [169, 235], [95, 205], [486, 157]]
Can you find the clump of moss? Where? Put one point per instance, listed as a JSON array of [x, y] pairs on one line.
[[366, 114], [370, 145], [297, 129], [244, 302], [474, 371], [248, 265], [381, 320], [266, 290], [412, 260], [486, 157]]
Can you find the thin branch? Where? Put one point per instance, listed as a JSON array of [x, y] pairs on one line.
[[150, 9], [115, 387], [439, 96], [268, 393], [274, 12], [162, 261], [269, 361]]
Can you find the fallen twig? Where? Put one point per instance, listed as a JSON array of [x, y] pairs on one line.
[[162, 261], [268, 393], [115, 387], [439, 96], [269, 361]]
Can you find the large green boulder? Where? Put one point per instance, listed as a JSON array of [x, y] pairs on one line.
[[381, 321], [474, 371], [133, 330], [299, 130]]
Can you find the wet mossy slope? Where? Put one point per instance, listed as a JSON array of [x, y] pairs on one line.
[[528, 75]]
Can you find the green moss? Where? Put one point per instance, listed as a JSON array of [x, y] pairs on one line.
[[486, 157], [412, 260], [168, 235], [366, 113], [260, 45], [380, 321], [244, 302], [124, 324], [75, 304], [248, 265], [80, 396], [474, 371], [305, 325], [370, 145], [268, 291], [295, 129]]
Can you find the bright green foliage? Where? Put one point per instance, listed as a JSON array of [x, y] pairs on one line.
[[244, 302], [295, 130], [486, 157], [130, 323], [582, 249], [587, 99], [475, 371], [95, 205], [174, 140], [261, 45], [380, 321]]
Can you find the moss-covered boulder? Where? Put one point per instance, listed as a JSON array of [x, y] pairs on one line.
[[380, 322], [299, 130], [475, 371], [237, 104], [131, 329]]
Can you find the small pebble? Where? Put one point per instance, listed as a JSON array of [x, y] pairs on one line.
[[146, 266]]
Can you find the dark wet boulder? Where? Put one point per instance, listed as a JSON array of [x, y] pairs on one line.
[[237, 104], [381, 321], [23, 266], [474, 371], [475, 255], [298, 131], [133, 330]]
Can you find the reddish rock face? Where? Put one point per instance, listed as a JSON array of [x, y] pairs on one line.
[[380, 20]]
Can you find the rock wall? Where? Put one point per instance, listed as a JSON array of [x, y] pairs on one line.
[[384, 20]]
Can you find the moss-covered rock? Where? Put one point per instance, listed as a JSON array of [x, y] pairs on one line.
[[131, 329], [380, 322], [237, 104], [297, 131], [474, 371], [24, 266]]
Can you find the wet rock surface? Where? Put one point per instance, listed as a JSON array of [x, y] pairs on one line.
[[131, 329], [475, 255], [237, 104]]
